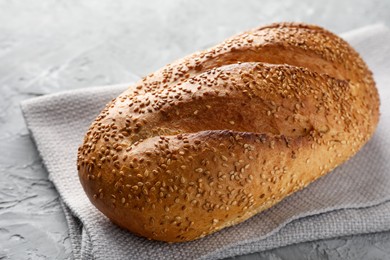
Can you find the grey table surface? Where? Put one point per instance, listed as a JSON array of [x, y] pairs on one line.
[[49, 46]]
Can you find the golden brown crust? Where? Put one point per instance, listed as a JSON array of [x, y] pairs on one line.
[[220, 135]]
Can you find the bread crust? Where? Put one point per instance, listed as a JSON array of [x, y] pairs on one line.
[[212, 139]]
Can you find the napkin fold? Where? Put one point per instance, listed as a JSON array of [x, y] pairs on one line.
[[353, 199]]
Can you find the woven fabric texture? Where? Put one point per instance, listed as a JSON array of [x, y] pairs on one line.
[[353, 199]]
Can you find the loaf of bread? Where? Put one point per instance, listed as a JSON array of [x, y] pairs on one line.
[[218, 136]]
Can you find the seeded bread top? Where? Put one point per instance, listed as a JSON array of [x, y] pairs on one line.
[[220, 135]]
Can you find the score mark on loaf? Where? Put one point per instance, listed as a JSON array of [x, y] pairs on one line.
[[218, 136]]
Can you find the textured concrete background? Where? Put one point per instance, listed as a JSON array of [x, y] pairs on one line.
[[49, 46]]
